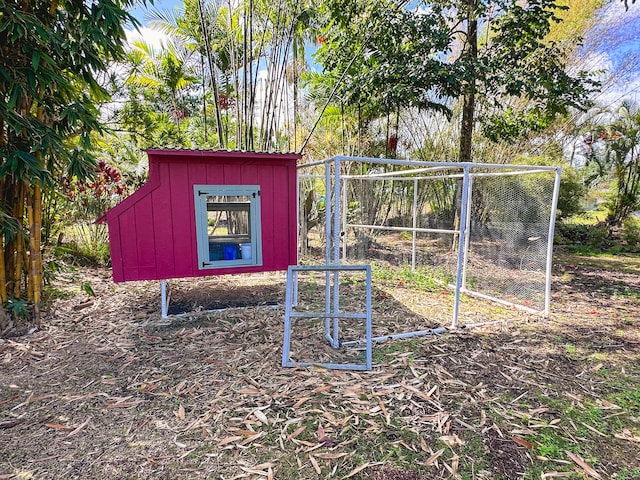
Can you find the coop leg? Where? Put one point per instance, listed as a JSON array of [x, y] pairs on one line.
[[163, 296]]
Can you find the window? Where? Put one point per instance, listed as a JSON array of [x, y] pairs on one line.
[[228, 225]]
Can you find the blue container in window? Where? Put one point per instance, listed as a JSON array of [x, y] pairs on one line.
[[230, 252]]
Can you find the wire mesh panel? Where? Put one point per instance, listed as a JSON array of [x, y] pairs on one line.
[[509, 236]]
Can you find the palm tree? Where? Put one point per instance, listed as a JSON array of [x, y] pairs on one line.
[[166, 71], [622, 155]]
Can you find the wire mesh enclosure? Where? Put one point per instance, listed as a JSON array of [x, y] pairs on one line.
[[479, 229]]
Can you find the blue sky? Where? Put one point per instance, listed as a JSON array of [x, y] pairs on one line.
[[139, 12]]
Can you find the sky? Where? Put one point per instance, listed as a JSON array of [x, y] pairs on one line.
[[614, 46]]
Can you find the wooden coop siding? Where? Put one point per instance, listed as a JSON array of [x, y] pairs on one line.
[[153, 232]]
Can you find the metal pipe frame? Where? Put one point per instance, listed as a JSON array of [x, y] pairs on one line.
[[418, 163], [328, 239], [552, 223], [506, 303], [467, 228], [464, 204], [337, 218], [414, 223], [402, 229]]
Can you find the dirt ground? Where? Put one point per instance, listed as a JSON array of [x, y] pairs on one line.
[[106, 389]]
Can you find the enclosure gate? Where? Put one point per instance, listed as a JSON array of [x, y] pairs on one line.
[[331, 314]]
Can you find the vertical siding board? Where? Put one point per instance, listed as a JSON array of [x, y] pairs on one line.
[[232, 174], [115, 248], [127, 225], [281, 216], [215, 173], [163, 227], [270, 242], [145, 237], [293, 213], [249, 174], [181, 205], [197, 175]]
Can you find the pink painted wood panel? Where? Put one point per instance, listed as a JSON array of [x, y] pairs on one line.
[[152, 233]]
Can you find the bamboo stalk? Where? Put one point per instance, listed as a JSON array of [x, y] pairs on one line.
[[36, 252], [3, 274], [29, 258], [19, 240]]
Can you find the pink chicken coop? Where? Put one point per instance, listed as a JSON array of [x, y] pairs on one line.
[[206, 213]]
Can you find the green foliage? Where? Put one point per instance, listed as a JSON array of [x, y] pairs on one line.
[[628, 474], [428, 279], [572, 191], [18, 308], [53, 55], [571, 195], [382, 57], [45, 64], [85, 202], [618, 161], [594, 237], [88, 289], [631, 232]]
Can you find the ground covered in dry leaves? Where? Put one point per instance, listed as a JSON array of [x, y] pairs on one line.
[[108, 390]]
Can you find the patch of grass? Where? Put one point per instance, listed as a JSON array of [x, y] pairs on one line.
[[628, 398], [624, 292], [550, 444], [475, 448], [599, 258], [427, 279], [383, 351], [628, 474], [572, 351]]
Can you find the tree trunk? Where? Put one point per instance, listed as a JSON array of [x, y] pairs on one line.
[[469, 97], [468, 108], [3, 275]]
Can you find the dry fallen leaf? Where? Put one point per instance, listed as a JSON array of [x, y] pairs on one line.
[[57, 426], [79, 427], [296, 432], [433, 458], [315, 465], [259, 414], [522, 442], [180, 413], [584, 465], [227, 440], [452, 440], [300, 402], [357, 470], [555, 474], [627, 435]]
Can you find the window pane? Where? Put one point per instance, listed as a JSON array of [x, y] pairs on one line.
[[228, 225]]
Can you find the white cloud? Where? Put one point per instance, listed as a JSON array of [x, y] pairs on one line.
[[152, 37]]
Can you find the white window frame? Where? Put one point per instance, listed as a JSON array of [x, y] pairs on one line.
[[200, 194]]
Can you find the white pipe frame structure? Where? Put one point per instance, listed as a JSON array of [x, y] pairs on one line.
[[336, 224]]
